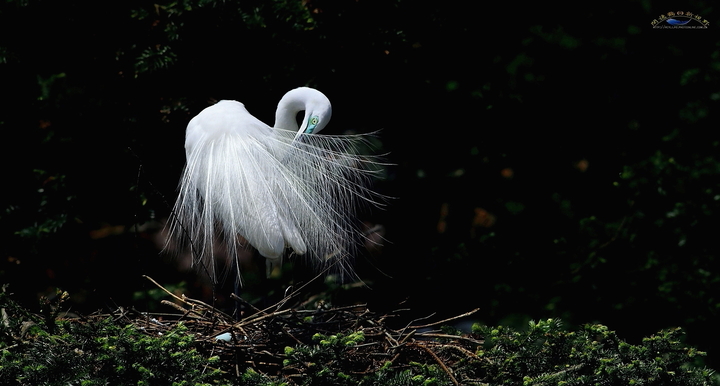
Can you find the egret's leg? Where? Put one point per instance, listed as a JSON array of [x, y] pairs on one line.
[[238, 306], [272, 267]]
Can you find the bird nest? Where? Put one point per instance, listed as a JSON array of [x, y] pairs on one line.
[[288, 343]]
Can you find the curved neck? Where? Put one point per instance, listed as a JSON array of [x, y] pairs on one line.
[[286, 114], [315, 104]]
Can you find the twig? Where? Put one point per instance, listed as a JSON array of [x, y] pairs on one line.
[[447, 336], [180, 308], [163, 288], [439, 361], [447, 320]]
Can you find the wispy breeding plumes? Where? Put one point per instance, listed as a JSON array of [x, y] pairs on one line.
[[275, 187]]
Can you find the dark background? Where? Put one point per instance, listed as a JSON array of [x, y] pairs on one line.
[[548, 162]]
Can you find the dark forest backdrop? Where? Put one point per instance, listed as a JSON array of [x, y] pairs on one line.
[[548, 161]]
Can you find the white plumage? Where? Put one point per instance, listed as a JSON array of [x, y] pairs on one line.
[[276, 187]]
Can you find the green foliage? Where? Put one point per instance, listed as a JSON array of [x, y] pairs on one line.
[[315, 360], [545, 354], [417, 375], [96, 353], [253, 378], [101, 351], [47, 212], [154, 59], [170, 27], [333, 362]]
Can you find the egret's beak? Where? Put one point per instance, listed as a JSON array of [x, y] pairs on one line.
[[303, 128]]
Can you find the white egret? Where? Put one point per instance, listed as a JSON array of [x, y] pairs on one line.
[[277, 187]]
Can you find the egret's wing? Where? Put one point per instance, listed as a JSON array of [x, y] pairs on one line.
[[225, 190]]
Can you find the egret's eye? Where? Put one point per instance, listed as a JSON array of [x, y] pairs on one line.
[[312, 123]]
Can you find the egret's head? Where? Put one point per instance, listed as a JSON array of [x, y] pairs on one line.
[[317, 116], [316, 107]]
